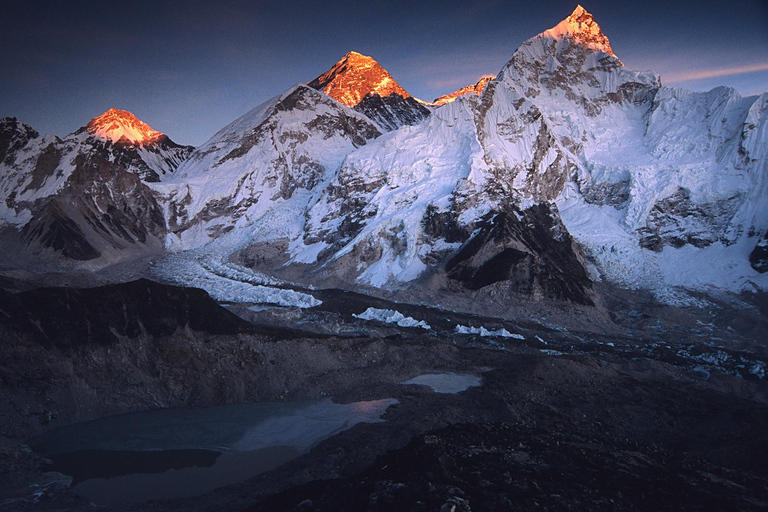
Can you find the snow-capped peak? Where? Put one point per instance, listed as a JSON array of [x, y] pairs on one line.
[[354, 77], [581, 27], [122, 126]]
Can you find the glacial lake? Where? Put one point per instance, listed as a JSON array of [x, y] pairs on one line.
[[179, 453]]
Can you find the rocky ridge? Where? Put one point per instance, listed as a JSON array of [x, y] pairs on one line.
[[476, 88]]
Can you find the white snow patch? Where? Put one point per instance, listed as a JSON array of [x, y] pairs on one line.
[[390, 316], [482, 331]]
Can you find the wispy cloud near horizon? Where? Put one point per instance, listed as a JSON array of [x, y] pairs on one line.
[[701, 74]]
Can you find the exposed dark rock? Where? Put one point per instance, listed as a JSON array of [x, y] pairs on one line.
[[360, 82], [68, 318], [359, 132], [529, 249], [548, 168], [162, 155], [393, 111], [633, 92], [496, 466], [47, 162], [612, 194], [677, 221], [758, 258], [14, 135], [443, 224], [102, 206], [52, 228], [129, 156], [294, 165]]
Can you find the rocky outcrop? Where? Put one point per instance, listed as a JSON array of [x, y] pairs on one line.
[[530, 251], [563, 123], [677, 221], [102, 208], [68, 318], [758, 258], [393, 111], [14, 135]]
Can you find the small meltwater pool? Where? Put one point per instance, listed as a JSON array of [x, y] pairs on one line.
[[450, 383]]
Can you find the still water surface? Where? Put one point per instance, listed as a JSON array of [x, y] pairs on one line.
[[178, 453]]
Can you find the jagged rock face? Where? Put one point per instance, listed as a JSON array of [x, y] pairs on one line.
[[148, 161], [53, 228], [400, 208], [476, 88], [360, 82], [616, 194], [14, 135], [101, 208], [36, 167], [692, 180], [521, 149], [267, 164], [393, 111], [676, 221], [758, 258], [573, 63], [529, 250], [581, 27], [470, 157]]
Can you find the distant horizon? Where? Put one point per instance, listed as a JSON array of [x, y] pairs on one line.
[[188, 70]]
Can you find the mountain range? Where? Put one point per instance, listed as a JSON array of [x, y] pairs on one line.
[[563, 169]]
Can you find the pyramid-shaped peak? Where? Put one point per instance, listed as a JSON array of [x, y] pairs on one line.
[[581, 27], [354, 77], [122, 126]]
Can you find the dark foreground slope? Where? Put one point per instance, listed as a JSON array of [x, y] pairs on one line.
[[563, 420]]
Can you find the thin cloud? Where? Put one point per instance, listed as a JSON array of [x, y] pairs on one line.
[[714, 73]]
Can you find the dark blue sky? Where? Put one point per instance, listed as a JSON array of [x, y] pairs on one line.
[[189, 68]]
